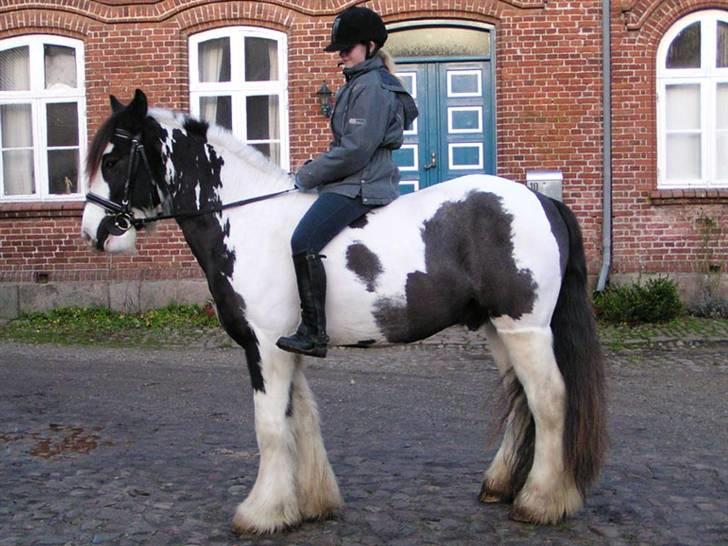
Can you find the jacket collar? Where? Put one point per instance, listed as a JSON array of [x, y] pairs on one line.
[[375, 63]]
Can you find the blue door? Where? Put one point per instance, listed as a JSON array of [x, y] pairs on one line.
[[454, 134]]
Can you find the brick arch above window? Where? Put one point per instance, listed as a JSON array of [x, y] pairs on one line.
[[211, 16], [122, 11], [44, 21], [657, 16]]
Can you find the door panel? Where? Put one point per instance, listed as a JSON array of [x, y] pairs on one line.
[[408, 158], [455, 131]]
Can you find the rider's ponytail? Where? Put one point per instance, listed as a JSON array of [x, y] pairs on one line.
[[387, 60]]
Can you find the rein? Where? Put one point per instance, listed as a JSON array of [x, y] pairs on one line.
[[121, 214]]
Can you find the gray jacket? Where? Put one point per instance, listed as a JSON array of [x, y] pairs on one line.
[[372, 110]]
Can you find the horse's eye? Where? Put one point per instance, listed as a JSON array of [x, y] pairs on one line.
[[109, 163]]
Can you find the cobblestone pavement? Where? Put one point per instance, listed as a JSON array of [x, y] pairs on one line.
[[109, 446]]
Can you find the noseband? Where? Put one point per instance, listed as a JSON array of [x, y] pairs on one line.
[[120, 218]]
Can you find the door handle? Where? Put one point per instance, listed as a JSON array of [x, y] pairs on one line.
[[432, 164]]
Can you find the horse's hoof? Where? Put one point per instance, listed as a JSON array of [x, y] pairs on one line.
[[520, 515], [243, 528], [533, 505], [249, 521], [489, 498], [537, 517], [488, 495]]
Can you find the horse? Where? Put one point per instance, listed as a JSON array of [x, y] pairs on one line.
[[479, 251]]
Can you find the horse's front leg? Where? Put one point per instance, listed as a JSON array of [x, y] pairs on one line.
[[318, 492], [272, 504]]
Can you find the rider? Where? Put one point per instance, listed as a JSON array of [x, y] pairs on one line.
[[357, 173]]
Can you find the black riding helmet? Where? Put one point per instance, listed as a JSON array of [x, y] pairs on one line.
[[354, 26]]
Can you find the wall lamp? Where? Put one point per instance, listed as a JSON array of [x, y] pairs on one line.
[[324, 95]]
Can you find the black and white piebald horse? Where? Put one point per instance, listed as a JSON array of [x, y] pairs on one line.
[[480, 251]]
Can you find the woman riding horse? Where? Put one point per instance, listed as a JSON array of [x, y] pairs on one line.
[[357, 173]]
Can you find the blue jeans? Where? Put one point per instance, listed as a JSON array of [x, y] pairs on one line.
[[329, 214]]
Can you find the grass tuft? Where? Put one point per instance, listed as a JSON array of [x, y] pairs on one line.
[[75, 325]]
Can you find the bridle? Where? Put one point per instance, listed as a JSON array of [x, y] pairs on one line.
[[120, 216]]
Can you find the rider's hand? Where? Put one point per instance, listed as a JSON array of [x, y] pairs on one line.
[[297, 182]]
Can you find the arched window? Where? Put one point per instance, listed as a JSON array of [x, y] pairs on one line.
[[238, 80], [692, 106], [42, 99]]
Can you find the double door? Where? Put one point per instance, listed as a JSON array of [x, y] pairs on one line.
[[454, 134]]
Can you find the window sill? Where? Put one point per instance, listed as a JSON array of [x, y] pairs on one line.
[[41, 209], [689, 197]]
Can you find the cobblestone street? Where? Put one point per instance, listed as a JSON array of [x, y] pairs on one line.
[[110, 446]]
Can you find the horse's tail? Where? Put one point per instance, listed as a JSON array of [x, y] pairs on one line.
[[579, 357]]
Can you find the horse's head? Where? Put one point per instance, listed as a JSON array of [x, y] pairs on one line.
[[124, 170]]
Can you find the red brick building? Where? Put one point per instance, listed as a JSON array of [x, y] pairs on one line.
[[505, 86]]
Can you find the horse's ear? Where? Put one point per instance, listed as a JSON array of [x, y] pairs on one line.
[[138, 106], [115, 104]]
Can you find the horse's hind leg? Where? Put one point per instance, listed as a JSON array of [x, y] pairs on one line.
[[549, 492], [317, 491], [497, 479], [272, 504]]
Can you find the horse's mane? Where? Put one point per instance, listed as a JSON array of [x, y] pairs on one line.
[[217, 136], [221, 138]]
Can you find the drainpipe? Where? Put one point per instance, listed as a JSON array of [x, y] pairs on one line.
[[607, 139]]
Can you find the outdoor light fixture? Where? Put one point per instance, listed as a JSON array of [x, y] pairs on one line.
[[324, 95]]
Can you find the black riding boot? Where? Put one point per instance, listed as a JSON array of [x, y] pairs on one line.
[[310, 337]]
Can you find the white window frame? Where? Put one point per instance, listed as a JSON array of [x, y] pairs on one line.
[[452, 73], [239, 89], [413, 75], [455, 109], [415, 151], [468, 167], [39, 97], [708, 77]]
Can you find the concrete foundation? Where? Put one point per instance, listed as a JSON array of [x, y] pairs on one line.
[[129, 297], [136, 296], [694, 288]]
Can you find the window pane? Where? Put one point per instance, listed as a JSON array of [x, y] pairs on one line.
[[406, 157], [214, 60], [16, 124], [438, 42], [722, 158], [18, 175], [15, 69], [261, 59], [464, 83], [271, 150], [683, 157], [683, 107], [63, 171], [465, 119], [465, 156], [217, 110], [62, 120], [262, 115], [722, 53], [684, 50], [60, 67], [723, 106]]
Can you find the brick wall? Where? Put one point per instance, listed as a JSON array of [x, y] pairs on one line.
[[655, 231], [548, 100]]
